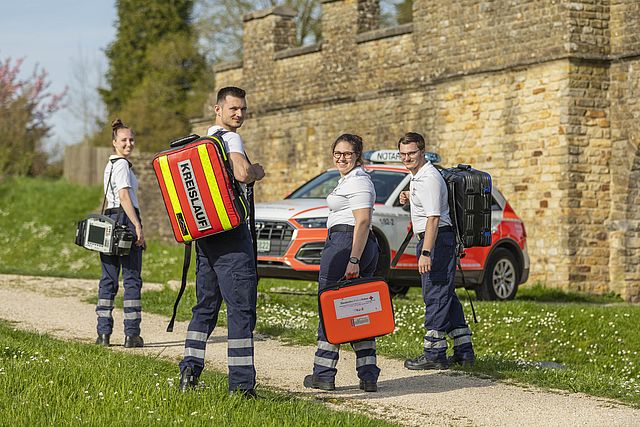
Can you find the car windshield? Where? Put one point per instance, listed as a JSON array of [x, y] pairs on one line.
[[320, 186]]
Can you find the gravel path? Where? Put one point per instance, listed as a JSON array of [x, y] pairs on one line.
[[438, 398]]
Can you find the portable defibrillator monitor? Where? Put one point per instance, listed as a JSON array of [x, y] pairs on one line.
[[98, 234], [356, 309], [102, 234]]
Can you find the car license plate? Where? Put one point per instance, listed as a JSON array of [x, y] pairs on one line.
[[264, 245]]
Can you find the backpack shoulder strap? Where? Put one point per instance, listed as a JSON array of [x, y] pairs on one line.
[[183, 285]]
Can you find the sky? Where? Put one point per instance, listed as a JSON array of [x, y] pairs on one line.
[[58, 35]]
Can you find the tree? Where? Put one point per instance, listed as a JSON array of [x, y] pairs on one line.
[[155, 72], [85, 104], [25, 107], [166, 84], [220, 24]]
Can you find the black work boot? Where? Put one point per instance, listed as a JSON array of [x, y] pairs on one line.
[[369, 386], [187, 379], [422, 362], [464, 359], [310, 381], [103, 339], [135, 341]]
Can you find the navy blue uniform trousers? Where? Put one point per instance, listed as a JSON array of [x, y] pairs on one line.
[[335, 256], [225, 270], [443, 311], [131, 266]]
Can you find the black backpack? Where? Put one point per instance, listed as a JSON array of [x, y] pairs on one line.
[[470, 211], [469, 205]]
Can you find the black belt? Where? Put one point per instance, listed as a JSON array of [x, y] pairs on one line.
[[341, 227], [440, 229], [112, 211], [347, 228]]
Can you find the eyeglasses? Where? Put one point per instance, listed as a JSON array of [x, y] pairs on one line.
[[348, 155], [409, 154]]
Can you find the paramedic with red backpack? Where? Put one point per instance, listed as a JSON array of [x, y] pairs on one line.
[[225, 269], [436, 252], [351, 251]]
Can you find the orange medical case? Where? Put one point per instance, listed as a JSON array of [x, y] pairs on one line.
[[356, 309], [198, 188]]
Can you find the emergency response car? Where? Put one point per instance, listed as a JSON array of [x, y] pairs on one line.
[[292, 233]]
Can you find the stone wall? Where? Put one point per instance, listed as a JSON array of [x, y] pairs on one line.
[[540, 93], [623, 222], [625, 27], [588, 186]]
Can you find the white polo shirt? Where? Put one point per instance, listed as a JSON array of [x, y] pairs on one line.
[[354, 191], [122, 177], [429, 197], [233, 143]]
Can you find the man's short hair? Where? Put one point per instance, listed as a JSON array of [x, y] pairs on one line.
[[410, 137], [229, 91]]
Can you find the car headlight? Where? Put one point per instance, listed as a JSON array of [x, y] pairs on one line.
[[312, 222]]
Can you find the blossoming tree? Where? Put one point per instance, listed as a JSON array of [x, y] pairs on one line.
[[25, 106]]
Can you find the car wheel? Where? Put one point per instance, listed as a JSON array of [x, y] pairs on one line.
[[500, 278]]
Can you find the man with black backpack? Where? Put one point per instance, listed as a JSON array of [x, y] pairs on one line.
[[226, 269], [436, 252]]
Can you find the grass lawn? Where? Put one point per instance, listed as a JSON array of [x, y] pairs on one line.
[[50, 382], [595, 339]]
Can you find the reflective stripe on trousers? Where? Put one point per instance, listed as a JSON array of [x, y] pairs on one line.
[[460, 336]]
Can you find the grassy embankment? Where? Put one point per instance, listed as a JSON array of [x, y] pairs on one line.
[[594, 338]]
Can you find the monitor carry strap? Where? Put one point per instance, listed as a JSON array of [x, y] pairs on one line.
[[104, 200]]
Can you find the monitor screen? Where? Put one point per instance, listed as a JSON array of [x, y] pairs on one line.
[[96, 234]]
